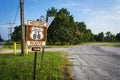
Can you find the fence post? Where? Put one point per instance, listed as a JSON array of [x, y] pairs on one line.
[[15, 48], [26, 49]]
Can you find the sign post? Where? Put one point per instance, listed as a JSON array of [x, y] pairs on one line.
[[35, 60], [36, 37], [42, 56]]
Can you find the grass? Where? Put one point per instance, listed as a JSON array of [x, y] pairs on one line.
[[16, 67], [58, 46], [9, 45], [111, 44]]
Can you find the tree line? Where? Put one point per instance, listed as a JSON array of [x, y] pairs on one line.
[[64, 30], [1, 39], [107, 37]]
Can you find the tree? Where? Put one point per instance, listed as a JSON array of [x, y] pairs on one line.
[[51, 12], [86, 34], [64, 30], [66, 26], [110, 37], [1, 38], [108, 33], [60, 30], [118, 36], [96, 37], [16, 35], [100, 37]]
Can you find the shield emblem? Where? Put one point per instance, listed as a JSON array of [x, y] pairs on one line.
[[36, 33]]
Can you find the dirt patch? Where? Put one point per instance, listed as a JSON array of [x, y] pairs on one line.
[[67, 73]]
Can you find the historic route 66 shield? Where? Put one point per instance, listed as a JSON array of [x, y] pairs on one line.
[[36, 33]]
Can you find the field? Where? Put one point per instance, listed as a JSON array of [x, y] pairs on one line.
[[17, 67]]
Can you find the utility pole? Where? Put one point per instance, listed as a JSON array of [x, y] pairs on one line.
[[22, 27], [10, 30]]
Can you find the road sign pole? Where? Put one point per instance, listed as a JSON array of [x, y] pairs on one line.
[[42, 57], [35, 60]]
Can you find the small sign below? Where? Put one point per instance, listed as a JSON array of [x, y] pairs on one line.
[[36, 49]]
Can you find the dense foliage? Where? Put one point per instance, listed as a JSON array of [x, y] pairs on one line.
[[118, 36], [16, 35], [64, 30], [107, 37]]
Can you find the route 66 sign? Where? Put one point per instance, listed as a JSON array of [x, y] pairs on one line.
[[36, 33]]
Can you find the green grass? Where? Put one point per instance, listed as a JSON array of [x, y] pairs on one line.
[[112, 44], [58, 46], [16, 67], [10, 45]]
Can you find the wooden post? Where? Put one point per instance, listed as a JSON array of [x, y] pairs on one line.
[[22, 27]]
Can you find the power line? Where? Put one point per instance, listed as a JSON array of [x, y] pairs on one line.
[[11, 24], [10, 30], [16, 13], [9, 13]]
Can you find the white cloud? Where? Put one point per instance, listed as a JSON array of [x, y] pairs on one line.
[[97, 20], [105, 20], [68, 4]]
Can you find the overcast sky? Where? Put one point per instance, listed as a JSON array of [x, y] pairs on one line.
[[98, 15]]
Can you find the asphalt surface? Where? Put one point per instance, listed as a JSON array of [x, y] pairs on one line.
[[46, 49], [7, 51], [93, 62]]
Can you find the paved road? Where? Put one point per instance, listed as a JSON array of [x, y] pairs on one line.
[[6, 51], [93, 62], [46, 49]]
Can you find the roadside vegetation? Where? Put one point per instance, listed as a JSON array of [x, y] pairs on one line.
[[10, 45], [111, 44], [1, 38], [16, 67]]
